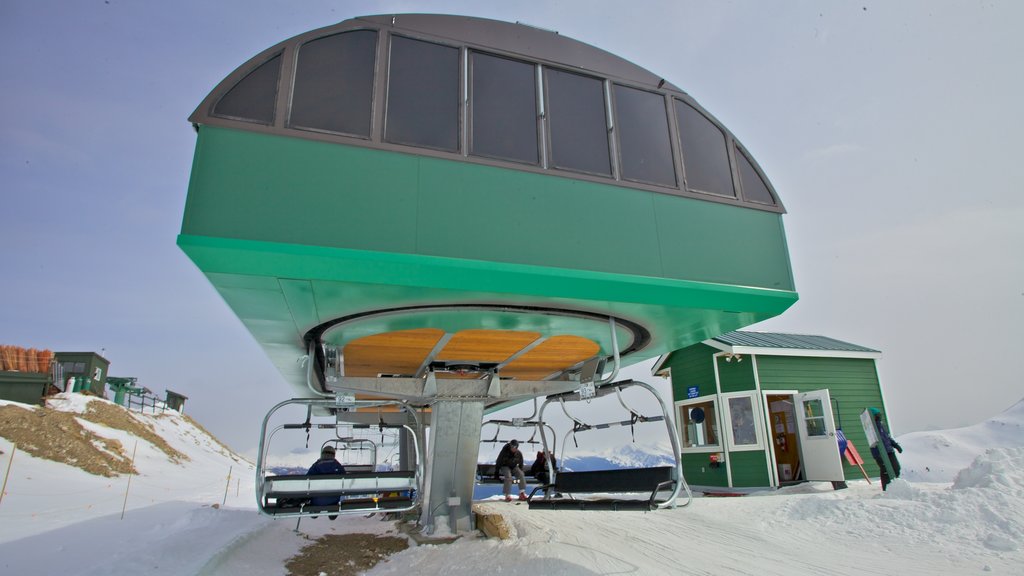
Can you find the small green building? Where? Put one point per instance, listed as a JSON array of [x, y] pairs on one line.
[[89, 370], [762, 409]]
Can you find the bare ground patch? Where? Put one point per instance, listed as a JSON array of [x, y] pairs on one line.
[[344, 554], [113, 416], [59, 437]]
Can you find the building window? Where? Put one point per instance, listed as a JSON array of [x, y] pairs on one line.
[[504, 109], [644, 143], [254, 98], [705, 154], [754, 188], [423, 95], [742, 412], [814, 415], [578, 124], [699, 425], [334, 83]]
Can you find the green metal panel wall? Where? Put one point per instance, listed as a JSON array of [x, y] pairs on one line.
[[736, 376], [698, 471], [692, 366], [24, 387], [852, 384], [254, 186], [749, 469]]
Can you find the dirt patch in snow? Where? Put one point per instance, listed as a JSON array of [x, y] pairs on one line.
[[344, 554], [59, 437], [114, 416]]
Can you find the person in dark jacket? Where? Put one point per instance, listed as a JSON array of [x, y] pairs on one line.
[[539, 470], [326, 465], [509, 462], [885, 442]]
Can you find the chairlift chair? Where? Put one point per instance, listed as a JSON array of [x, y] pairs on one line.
[[487, 472], [652, 480], [358, 492]]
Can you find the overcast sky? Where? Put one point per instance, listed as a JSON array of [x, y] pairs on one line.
[[891, 131]]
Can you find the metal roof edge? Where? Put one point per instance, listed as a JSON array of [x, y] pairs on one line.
[[802, 352]]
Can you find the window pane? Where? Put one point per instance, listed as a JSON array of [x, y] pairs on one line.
[[423, 94], [579, 130], [754, 188], [705, 156], [255, 96], [815, 417], [334, 83], [741, 411], [504, 108], [644, 142], [699, 425]]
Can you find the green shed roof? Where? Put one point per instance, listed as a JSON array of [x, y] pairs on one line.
[[740, 338], [778, 344]]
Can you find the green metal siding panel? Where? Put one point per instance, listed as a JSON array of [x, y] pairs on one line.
[[536, 219], [749, 469], [692, 366], [693, 237], [698, 471], [852, 384], [253, 186], [24, 387], [736, 376], [258, 187]]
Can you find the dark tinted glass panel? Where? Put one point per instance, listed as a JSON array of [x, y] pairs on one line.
[[334, 83], [754, 189], [504, 108], [255, 96], [423, 94], [644, 143], [705, 156], [579, 132]]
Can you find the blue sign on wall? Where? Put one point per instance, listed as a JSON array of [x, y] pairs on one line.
[[691, 392]]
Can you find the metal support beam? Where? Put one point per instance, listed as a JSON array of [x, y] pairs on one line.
[[451, 466], [417, 391]]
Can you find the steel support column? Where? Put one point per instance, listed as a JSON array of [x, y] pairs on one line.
[[451, 466]]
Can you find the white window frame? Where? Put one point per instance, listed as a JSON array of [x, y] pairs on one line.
[[715, 408], [758, 421]]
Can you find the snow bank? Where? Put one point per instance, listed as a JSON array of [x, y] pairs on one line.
[[937, 456], [60, 520], [43, 495]]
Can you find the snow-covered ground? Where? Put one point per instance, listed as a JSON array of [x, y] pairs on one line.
[[55, 519]]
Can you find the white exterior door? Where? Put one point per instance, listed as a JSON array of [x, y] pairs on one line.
[[819, 449]]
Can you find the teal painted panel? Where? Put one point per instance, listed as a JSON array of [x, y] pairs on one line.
[[255, 186], [536, 219], [698, 471], [728, 244], [299, 296], [736, 376], [852, 383], [749, 469]]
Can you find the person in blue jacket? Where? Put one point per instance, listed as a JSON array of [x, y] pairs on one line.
[[326, 465], [886, 442]]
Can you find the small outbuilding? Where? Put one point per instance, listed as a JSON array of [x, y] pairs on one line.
[[86, 372], [758, 409]]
